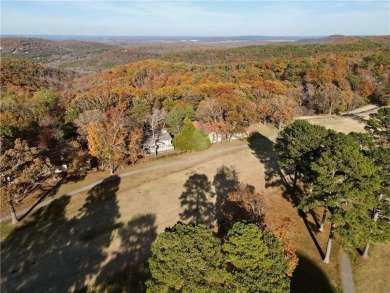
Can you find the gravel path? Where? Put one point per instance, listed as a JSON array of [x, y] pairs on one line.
[[346, 274], [196, 158]]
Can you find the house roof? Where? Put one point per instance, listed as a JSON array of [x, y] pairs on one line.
[[163, 135], [197, 124], [206, 127]]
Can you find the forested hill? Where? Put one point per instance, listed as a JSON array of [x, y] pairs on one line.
[[255, 53], [42, 104], [48, 51], [22, 77], [96, 56], [327, 83]]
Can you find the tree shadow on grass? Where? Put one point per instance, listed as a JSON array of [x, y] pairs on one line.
[[50, 253], [197, 200], [136, 239], [225, 181], [47, 193], [309, 278], [263, 149]]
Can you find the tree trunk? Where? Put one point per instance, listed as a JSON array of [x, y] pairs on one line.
[[112, 167], [295, 180], [321, 228], [365, 252], [330, 240], [13, 213]]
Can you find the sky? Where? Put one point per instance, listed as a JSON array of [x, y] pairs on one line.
[[195, 18]]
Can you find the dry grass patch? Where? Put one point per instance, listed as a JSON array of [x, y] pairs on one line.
[[372, 275], [119, 229], [341, 124]]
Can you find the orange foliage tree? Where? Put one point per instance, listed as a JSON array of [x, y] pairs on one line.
[[110, 139]]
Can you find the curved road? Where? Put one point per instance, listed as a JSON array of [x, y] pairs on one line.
[[175, 163], [196, 158], [346, 271]]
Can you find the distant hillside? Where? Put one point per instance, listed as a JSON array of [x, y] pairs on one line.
[[340, 39], [50, 52], [88, 57], [26, 77]]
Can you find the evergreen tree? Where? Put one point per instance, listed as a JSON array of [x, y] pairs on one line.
[[191, 138], [379, 127], [343, 180], [298, 144], [140, 110], [379, 228], [256, 260], [199, 141], [187, 258], [177, 116]]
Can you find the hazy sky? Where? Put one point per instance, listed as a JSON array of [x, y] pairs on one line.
[[195, 18]]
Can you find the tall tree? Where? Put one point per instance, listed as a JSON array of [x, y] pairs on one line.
[[22, 169], [378, 229], [378, 127], [279, 110], [140, 110], [176, 117], [298, 144], [191, 138], [256, 260], [210, 111], [329, 98], [187, 258], [238, 113], [156, 121], [108, 139], [134, 149], [342, 177]]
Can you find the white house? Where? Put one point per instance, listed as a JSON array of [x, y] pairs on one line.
[[163, 142], [216, 137]]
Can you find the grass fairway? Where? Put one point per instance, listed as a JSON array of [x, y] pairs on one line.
[[100, 238], [372, 275], [341, 124]]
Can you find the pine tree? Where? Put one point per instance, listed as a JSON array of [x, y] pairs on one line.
[[177, 116], [379, 127], [379, 228], [187, 258], [343, 180], [256, 260], [298, 144], [191, 138]]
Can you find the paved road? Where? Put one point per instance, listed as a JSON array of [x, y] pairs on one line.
[[196, 158], [360, 110], [346, 274]]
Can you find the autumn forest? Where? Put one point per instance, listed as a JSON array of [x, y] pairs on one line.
[[70, 108]]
